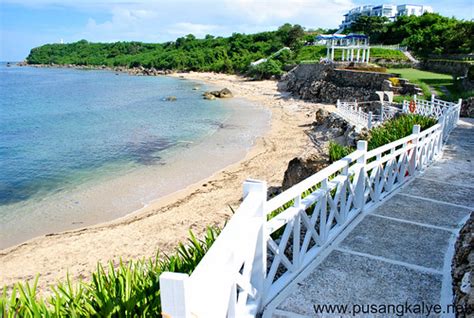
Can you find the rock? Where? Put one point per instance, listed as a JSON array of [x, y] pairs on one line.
[[462, 267], [302, 167], [467, 107], [321, 115], [208, 95], [327, 83], [196, 88], [225, 93], [171, 98]]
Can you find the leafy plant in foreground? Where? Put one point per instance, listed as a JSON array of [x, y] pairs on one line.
[[127, 290]]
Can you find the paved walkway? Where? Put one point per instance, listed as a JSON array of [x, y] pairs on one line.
[[399, 252]]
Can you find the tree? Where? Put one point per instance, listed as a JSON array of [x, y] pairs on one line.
[[374, 26]]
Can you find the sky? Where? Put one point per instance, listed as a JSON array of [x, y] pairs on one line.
[[25, 24]]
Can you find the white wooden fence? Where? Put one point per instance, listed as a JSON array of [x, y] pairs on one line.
[[353, 113], [436, 108], [267, 243]]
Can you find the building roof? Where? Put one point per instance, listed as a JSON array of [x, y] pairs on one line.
[[341, 36]]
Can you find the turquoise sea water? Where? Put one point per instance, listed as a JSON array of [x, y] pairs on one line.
[[57, 123], [63, 128]]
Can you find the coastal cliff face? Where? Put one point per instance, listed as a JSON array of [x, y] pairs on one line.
[[325, 83]]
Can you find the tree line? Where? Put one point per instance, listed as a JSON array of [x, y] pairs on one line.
[[428, 34], [424, 35]]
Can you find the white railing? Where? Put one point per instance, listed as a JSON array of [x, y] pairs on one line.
[[352, 112], [437, 108], [267, 244], [390, 47]]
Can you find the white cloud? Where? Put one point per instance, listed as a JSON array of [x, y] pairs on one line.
[[160, 20], [197, 29]]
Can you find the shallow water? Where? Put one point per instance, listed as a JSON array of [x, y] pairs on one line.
[[82, 147]]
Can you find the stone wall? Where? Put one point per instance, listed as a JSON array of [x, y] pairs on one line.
[[325, 83], [462, 267]]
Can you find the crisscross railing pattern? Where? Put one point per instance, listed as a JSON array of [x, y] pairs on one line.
[[352, 112], [267, 243]]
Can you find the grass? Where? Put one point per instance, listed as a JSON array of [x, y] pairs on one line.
[[387, 54], [427, 79], [126, 290]]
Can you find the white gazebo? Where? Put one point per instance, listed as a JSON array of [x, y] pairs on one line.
[[355, 47]]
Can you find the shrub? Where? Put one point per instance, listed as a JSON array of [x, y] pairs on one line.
[[395, 81], [129, 290], [337, 151], [390, 131], [265, 70], [397, 128]]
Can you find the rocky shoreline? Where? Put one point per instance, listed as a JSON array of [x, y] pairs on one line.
[[140, 71]]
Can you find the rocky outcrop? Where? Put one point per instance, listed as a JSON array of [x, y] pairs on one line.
[[467, 107], [302, 167], [462, 270], [325, 83], [404, 88], [140, 70], [326, 127], [223, 93]]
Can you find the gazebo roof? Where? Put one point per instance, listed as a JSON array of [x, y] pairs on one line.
[[336, 36]]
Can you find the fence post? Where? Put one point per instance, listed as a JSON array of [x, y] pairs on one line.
[[259, 266], [459, 110], [360, 186], [432, 98], [369, 120], [174, 294], [415, 133]]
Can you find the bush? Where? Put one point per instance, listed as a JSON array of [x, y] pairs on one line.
[[129, 290], [337, 151], [390, 131], [265, 70], [397, 128], [395, 81]]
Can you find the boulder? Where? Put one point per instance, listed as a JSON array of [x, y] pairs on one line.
[[208, 95], [225, 93], [171, 98], [302, 167]]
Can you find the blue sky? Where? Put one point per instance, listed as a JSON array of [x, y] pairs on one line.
[[30, 23]]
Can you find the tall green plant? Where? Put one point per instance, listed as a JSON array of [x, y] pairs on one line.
[[390, 131], [128, 290]]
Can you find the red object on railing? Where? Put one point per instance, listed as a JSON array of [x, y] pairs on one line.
[[412, 106]]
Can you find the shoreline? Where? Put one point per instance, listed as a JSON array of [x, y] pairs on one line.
[[165, 221]]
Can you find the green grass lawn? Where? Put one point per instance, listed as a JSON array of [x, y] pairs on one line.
[[426, 79]]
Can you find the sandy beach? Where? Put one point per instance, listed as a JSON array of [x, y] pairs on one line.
[[165, 222]]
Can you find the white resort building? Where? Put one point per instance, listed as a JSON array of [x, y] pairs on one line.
[[354, 47], [384, 10]]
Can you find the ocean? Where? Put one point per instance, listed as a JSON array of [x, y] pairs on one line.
[[79, 147]]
